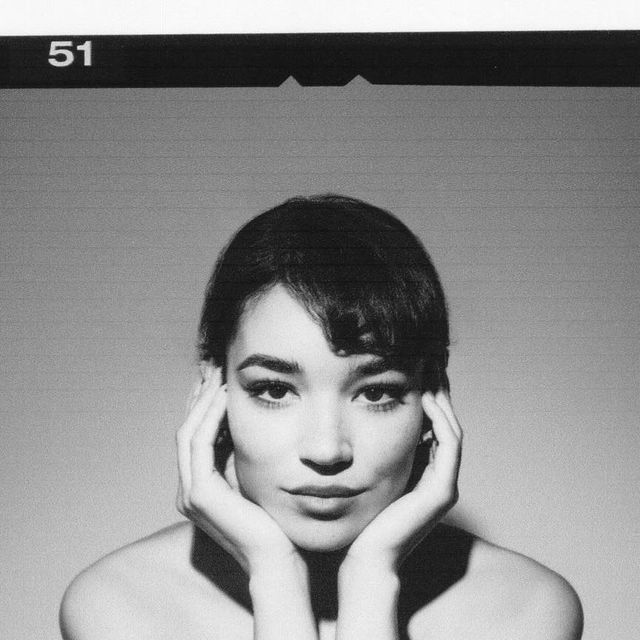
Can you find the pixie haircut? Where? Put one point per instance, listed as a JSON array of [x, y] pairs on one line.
[[358, 271]]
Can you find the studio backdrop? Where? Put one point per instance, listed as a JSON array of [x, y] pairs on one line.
[[116, 202]]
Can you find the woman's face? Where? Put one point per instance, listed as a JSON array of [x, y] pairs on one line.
[[322, 441]]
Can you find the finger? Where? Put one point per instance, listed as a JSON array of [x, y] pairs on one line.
[[442, 428], [185, 432], [208, 370], [193, 397], [444, 402], [447, 455], [203, 394], [204, 437]]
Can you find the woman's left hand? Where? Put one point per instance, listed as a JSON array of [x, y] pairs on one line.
[[389, 538]]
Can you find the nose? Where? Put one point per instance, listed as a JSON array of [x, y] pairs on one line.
[[325, 445]]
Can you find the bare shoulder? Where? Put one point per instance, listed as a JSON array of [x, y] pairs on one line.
[[137, 591], [537, 602], [498, 593]]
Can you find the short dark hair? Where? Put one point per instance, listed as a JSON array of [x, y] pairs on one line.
[[358, 271]]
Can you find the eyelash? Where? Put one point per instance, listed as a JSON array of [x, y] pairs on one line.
[[395, 391], [256, 389]]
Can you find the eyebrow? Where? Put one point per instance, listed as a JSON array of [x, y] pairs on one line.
[[280, 365], [270, 362], [372, 368]]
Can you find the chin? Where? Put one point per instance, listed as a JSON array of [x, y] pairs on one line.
[[323, 536]]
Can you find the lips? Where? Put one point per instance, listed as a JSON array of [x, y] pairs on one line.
[[325, 502], [326, 491]]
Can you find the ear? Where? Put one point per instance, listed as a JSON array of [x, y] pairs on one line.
[[420, 462], [426, 432]]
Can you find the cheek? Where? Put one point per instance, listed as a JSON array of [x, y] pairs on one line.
[[395, 461], [390, 453], [260, 441]]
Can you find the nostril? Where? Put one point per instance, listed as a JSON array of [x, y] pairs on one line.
[[327, 469], [326, 455], [325, 442]]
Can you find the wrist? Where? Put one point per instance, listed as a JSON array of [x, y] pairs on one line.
[[368, 597], [377, 566], [280, 598], [358, 573]]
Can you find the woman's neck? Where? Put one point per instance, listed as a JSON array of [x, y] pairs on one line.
[[323, 581]]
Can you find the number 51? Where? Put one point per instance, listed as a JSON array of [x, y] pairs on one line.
[[61, 54]]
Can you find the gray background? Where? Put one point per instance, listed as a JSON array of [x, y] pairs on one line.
[[115, 204]]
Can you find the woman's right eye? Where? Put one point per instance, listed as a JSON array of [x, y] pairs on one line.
[[270, 393]]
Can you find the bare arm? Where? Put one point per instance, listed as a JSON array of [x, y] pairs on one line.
[[278, 577], [368, 584], [510, 596]]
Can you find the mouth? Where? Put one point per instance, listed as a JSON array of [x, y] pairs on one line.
[[325, 491], [325, 502]]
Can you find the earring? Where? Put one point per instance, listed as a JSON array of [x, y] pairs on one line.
[[223, 435]]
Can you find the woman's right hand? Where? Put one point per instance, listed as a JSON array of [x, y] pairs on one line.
[[278, 576], [205, 496]]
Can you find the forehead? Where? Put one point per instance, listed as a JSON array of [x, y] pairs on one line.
[[275, 324], [274, 318]]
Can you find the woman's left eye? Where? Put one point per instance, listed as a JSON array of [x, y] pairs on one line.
[[382, 397]]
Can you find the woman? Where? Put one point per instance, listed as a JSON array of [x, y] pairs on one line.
[[319, 453]]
